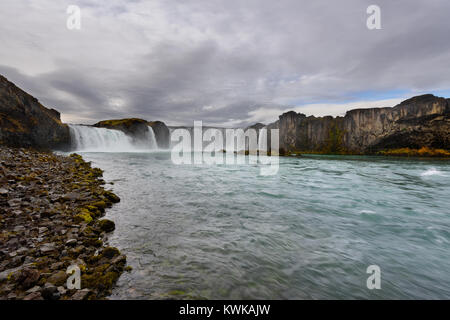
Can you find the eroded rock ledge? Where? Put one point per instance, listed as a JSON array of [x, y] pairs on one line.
[[50, 218]]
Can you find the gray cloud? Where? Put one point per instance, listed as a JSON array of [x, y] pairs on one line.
[[220, 61]]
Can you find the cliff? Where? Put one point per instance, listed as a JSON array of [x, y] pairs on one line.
[[422, 121], [138, 129], [24, 122], [162, 133]]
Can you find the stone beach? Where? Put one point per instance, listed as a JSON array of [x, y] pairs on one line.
[[51, 209]]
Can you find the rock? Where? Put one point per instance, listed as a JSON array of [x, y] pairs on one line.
[[62, 291], [72, 196], [106, 225], [110, 252], [22, 251], [162, 134], [34, 289], [119, 260], [57, 265], [58, 278], [422, 121], [16, 261], [50, 292], [33, 296], [28, 278], [39, 237], [11, 296], [81, 294], [47, 248], [3, 192], [24, 122], [71, 242], [111, 196], [14, 202]]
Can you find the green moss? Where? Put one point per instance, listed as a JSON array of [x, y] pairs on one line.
[[128, 268], [334, 143], [110, 252], [84, 215], [422, 152], [99, 281], [94, 211], [100, 205], [111, 196], [120, 122]]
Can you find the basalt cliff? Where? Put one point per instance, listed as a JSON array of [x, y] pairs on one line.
[[419, 122], [24, 122]]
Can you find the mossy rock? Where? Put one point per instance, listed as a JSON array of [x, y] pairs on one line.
[[93, 242], [100, 205], [58, 279], [99, 281], [94, 211], [106, 225], [110, 252], [83, 216], [111, 197]]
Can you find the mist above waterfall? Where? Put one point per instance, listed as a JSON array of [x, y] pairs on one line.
[[92, 139]]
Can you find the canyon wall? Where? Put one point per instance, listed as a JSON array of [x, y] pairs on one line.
[[24, 122], [422, 121]]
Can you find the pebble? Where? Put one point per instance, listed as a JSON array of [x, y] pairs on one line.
[[40, 195]]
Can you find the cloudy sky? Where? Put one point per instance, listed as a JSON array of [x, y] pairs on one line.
[[227, 62]]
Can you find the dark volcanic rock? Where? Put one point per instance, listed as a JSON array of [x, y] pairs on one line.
[[40, 239], [136, 128], [422, 121], [162, 133], [24, 122]]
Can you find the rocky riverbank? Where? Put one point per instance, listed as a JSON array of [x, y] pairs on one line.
[[50, 218]]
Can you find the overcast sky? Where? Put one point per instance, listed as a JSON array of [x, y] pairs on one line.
[[227, 62]]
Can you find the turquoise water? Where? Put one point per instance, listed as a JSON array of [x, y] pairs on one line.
[[309, 232]]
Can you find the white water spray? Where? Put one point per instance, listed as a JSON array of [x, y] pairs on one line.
[[92, 139]]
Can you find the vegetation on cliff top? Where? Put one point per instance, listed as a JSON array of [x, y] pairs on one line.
[[128, 122], [422, 152]]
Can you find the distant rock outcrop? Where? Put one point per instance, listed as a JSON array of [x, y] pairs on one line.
[[138, 129], [422, 121], [24, 122]]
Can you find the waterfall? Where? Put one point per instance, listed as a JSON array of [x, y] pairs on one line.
[[92, 139], [262, 141], [151, 138]]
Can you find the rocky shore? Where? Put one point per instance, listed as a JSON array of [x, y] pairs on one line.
[[51, 209]]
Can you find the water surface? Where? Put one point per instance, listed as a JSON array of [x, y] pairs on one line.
[[309, 232]]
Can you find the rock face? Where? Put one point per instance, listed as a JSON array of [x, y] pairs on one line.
[[138, 129], [162, 133], [24, 122], [422, 121]]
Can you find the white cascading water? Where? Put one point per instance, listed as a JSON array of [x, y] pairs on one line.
[[92, 139], [262, 140], [151, 138]]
